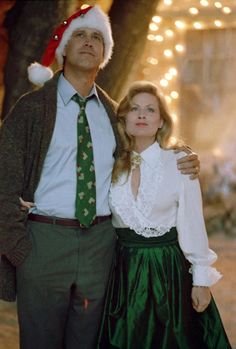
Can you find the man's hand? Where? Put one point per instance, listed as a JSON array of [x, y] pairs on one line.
[[25, 205], [189, 164], [201, 297]]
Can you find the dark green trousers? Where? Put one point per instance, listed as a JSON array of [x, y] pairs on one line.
[[61, 285]]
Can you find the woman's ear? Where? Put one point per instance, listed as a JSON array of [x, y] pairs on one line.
[[161, 123]]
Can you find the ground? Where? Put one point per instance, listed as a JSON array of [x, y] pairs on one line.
[[224, 294]]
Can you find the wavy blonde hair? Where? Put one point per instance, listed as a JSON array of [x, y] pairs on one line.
[[163, 135]]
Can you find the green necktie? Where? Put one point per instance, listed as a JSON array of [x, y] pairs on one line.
[[86, 189]]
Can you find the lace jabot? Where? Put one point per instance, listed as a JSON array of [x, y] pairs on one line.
[[135, 212]]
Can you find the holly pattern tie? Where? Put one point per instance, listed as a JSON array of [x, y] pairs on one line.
[[86, 189]]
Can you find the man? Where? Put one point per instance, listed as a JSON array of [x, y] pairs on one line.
[[57, 257]]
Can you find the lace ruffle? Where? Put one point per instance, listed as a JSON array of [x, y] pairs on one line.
[[204, 275], [133, 212]]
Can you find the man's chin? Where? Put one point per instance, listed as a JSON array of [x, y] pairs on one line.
[[87, 64]]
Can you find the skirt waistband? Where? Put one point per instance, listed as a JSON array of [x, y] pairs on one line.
[[128, 238]]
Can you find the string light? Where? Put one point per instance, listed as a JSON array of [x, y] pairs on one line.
[[179, 48], [168, 2], [204, 3], [218, 4], [173, 71], [169, 33], [164, 83], [152, 60], [218, 23], [159, 38], [193, 11], [180, 24], [168, 76], [226, 10], [163, 30], [197, 25], [168, 53], [174, 94], [84, 6], [156, 19], [153, 27], [151, 37]]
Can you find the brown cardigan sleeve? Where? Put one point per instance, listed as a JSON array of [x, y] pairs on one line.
[[14, 243]]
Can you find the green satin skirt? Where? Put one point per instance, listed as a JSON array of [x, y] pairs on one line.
[[148, 304]]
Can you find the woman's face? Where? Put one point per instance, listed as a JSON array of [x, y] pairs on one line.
[[143, 119]]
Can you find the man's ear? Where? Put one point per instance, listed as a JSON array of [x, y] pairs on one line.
[[64, 51]]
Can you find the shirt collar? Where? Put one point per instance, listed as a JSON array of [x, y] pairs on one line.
[[67, 91], [151, 155]]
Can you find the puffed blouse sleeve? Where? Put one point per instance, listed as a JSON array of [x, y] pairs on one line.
[[192, 233]]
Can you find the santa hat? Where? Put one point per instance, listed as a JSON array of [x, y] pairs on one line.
[[90, 17]]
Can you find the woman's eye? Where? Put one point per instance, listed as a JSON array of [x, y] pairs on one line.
[[151, 110], [133, 109]]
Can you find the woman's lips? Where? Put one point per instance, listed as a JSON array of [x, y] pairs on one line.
[[141, 124]]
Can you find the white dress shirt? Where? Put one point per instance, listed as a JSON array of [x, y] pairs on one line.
[[166, 199], [56, 192]]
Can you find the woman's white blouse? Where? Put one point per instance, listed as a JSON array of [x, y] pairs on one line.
[[166, 199]]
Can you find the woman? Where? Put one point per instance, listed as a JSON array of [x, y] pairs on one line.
[[159, 294]]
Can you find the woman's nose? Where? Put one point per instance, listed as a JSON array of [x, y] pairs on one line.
[[141, 114]]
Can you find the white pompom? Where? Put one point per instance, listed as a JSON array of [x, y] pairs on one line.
[[38, 74]]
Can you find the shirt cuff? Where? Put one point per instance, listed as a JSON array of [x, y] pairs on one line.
[[204, 275]]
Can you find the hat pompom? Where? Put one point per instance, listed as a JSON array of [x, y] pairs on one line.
[[39, 74]]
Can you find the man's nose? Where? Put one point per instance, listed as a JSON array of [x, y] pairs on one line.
[[88, 41]]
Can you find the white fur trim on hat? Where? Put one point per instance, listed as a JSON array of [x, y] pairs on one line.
[[93, 19], [39, 74]]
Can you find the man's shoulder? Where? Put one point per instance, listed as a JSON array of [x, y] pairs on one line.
[[38, 94], [32, 103]]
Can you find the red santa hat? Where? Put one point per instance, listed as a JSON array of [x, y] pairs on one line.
[[90, 17]]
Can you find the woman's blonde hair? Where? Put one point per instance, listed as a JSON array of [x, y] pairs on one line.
[[163, 135]]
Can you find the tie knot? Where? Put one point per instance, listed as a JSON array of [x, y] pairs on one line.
[[82, 102]]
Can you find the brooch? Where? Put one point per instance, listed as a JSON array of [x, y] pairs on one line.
[[136, 160]]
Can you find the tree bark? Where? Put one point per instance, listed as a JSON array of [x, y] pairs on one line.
[[130, 22], [29, 24]]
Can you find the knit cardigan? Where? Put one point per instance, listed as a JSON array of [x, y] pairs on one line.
[[24, 140]]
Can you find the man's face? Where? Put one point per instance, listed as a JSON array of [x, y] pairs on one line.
[[85, 49]]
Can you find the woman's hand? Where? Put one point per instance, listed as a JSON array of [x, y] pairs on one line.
[[201, 297], [25, 205], [188, 164]]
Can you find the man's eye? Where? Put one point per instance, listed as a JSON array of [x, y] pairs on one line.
[[98, 38], [79, 34]]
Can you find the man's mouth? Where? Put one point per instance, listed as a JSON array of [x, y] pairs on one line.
[[87, 53]]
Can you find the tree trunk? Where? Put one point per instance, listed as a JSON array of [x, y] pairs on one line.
[[29, 24], [130, 22]]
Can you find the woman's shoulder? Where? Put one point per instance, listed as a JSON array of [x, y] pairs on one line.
[[171, 155], [169, 159]]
